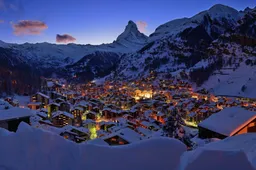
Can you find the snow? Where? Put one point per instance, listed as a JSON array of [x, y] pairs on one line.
[[38, 149], [98, 141], [127, 134], [4, 132], [131, 35], [23, 100], [14, 113], [58, 55], [57, 113], [174, 27], [41, 94], [4, 104], [230, 120], [232, 83], [236, 153]]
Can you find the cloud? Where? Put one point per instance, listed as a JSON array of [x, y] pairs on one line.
[[142, 25], [26, 27], [65, 38]]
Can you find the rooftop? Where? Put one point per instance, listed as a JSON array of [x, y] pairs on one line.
[[14, 113], [229, 120]]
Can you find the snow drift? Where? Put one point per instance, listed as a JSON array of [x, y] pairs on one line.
[[30, 149], [236, 153]]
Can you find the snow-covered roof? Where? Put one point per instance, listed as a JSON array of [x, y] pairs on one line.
[[127, 134], [144, 131], [229, 120], [192, 114], [14, 113], [147, 124], [43, 114], [41, 94], [57, 113], [70, 128], [50, 84]]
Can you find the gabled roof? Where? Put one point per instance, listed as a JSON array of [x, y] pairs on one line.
[[228, 121], [14, 113], [127, 134], [41, 94], [57, 113]]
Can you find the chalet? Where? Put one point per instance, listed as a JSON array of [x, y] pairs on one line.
[[53, 107], [65, 106], [228, 122], [80, 132], [109, 113], [147, 125], [160, 117], [72, 136], [123, 137], [40, 97], [56, 95], [106, 125], [77, 112], [89, 124], [60, 118], [59, 100], [42, 114], [91, 115], [11, 118]]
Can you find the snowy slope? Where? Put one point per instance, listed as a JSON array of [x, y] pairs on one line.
[[32, 149], [233, 81], [222, 155]]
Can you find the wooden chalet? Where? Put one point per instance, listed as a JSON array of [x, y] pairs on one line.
[[228, 122], [11, 118], [40, 97], [123, 137], [60, 118]]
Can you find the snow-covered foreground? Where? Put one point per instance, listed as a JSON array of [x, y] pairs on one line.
[[236, 153], [30, 149]]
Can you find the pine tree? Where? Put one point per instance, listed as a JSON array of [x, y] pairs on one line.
[[174, 128], [173, 124]]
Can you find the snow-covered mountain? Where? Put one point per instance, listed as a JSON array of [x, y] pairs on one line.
[[132, 37], [215, 20], [219, 41], [197, 48], [95, 65], [52, 55]]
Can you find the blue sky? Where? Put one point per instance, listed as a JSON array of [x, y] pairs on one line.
[[94, 21]]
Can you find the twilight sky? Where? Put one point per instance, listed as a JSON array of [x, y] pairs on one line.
[[93, 21]]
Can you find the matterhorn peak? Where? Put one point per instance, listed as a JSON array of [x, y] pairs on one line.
[[131, 34], [131, 27]]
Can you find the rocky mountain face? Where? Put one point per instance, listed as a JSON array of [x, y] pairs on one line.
[[16, 75], [95, 65]]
